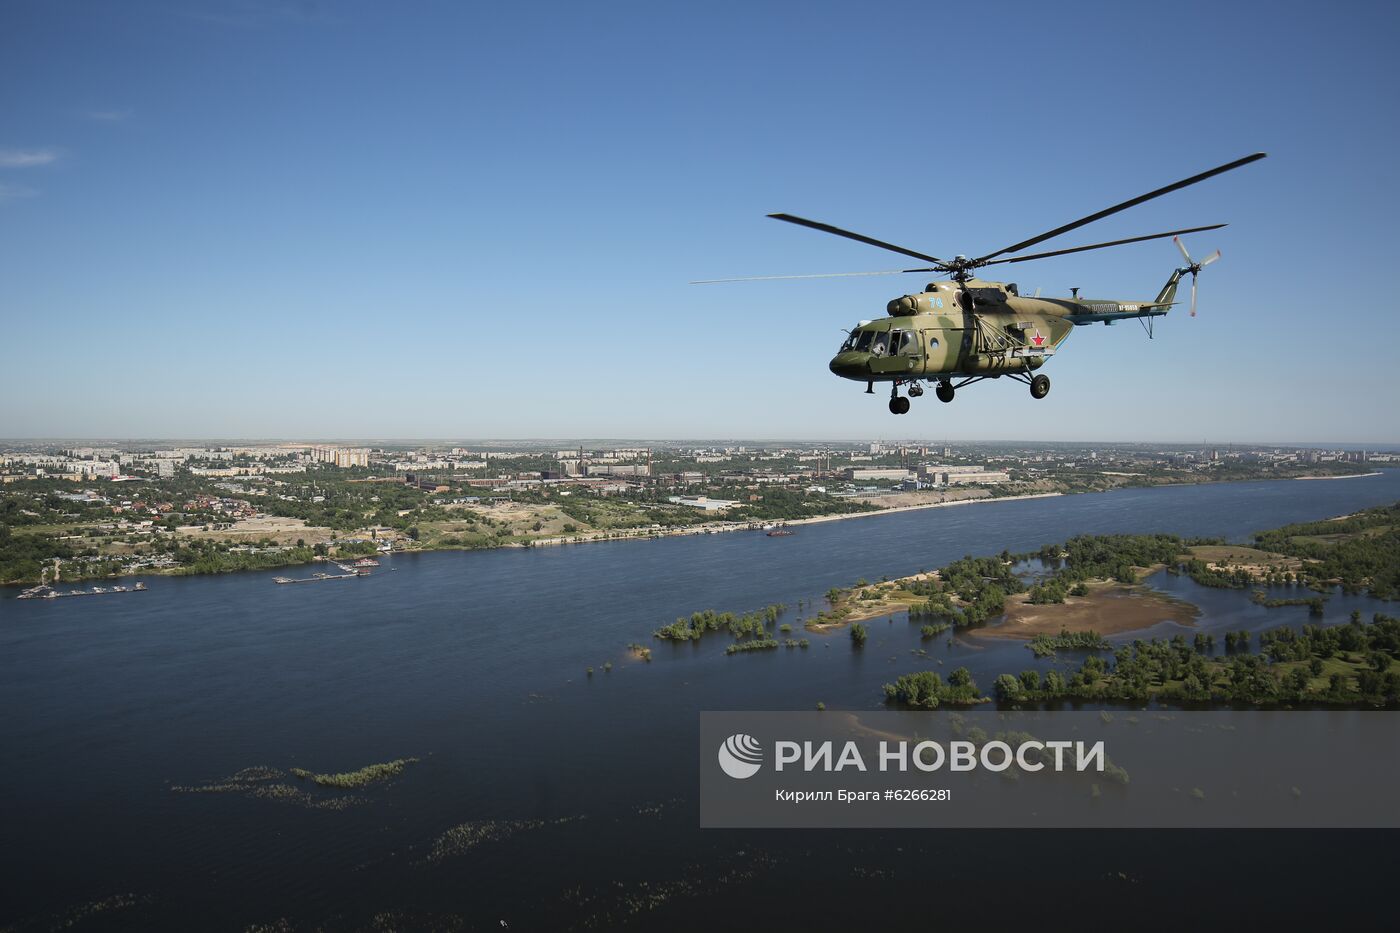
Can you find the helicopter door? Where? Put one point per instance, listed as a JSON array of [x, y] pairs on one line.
[[912, 346]]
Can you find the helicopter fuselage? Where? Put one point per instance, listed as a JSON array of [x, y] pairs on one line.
[[974, 329]]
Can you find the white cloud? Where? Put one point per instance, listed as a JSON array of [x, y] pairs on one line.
[[26, 158]]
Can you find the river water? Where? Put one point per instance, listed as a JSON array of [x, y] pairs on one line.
[[544, 797]]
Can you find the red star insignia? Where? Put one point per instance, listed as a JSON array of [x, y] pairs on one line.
[[1037, 339]]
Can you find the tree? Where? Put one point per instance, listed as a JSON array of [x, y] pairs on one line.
[[858, 635], [1008, 688]]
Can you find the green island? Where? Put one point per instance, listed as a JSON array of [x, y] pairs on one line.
[[926, 690], [1100, 576], [1044, 646], [266, 783], [1344, 665], [361, 777]]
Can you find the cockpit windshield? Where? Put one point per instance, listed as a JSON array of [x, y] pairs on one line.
[[880, 342], [858, 340]]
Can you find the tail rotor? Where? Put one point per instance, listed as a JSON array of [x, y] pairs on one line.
[[1194, 267]]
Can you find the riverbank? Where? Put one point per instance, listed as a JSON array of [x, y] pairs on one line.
[[722, 527], [634, 534]]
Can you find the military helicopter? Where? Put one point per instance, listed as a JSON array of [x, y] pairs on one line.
[[965, 330]]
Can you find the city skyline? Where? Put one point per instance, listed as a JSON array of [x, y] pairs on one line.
[[394, 442]]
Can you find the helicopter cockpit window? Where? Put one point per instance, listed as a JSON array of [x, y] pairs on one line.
[[880, 345], [900, 341], [863, 339], [850, 342]]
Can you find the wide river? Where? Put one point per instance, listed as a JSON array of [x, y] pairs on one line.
[[543, 797]]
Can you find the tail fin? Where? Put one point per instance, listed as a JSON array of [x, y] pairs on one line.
[[1168, 293]]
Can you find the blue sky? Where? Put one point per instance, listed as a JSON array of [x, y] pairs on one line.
[[256, 219]]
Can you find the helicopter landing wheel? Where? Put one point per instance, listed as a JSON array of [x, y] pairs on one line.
[[899, 405], [1040, 386], [944, 391]]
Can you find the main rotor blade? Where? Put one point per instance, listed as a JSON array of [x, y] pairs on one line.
[[1080, 249], [861, 238], [1176, 186], [818, 275]]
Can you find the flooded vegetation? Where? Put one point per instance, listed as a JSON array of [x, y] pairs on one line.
[[697, 624], [1046, 645], [361, 777], [464, 837], [265, 783]]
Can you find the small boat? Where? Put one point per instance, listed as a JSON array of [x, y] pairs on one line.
[[366, 562]]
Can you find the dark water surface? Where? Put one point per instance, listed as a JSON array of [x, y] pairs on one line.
[[580, 791]]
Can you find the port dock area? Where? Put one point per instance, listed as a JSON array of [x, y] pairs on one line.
[[44, 591], [350, 573]]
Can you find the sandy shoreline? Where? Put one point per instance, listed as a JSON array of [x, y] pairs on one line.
[[719, 527], [1109, 609]]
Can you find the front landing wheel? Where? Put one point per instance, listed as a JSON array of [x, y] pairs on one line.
[[1040, 386], [899, 405]]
